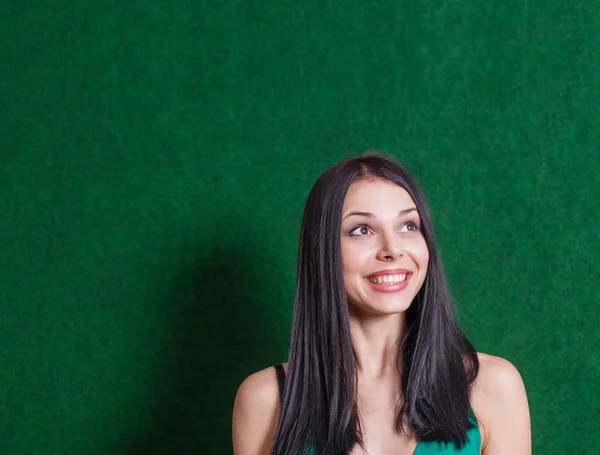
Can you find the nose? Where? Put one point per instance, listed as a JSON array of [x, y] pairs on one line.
[[391, 247]]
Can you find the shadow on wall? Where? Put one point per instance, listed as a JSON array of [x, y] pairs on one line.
[[221, 333]]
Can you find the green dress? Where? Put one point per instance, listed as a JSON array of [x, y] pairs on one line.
[[473, 446]]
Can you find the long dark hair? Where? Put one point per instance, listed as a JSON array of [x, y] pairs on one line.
[[438, 363]]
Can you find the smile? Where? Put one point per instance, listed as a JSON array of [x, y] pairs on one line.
[[388, 279], [389, 283]]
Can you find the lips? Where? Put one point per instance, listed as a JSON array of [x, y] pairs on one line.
[[389, 285], [389, 272]]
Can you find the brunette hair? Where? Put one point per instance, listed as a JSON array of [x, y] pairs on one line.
[[438, 362]]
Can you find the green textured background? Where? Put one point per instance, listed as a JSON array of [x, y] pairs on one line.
[[156, 156]]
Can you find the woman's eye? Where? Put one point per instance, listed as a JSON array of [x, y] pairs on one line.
[[359, 231], [412, 227]]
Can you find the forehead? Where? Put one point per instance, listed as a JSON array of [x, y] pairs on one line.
[[370, 195]]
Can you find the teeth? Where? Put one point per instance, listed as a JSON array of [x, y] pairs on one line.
[[388, 279]]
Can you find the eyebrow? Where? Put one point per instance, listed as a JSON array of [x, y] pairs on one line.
[[370, 215]]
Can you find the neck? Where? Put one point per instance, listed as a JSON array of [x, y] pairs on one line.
[[376, 341]]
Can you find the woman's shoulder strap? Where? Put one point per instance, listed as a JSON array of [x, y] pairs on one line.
[[280, 380]]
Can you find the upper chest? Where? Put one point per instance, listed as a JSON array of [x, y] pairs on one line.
[[378, 407]]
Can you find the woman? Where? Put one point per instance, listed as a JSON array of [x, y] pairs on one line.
[[377, 364]]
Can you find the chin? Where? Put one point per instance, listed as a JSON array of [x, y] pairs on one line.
[[383, 308]]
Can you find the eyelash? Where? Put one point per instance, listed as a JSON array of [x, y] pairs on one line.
[[416, 226]]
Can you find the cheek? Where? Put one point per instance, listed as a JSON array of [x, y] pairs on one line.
[[355, 258], [424, 255], [420, 251], [419, 254]]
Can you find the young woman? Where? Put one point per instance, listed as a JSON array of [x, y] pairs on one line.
[[377, 364]]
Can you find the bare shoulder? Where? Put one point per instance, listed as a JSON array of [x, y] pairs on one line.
[[259, 389], [498, 374], [500, 403], [498, 381], [255, 413]]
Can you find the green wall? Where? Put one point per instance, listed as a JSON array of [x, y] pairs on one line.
[[156, 156]]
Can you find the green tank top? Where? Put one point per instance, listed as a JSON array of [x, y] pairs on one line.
[[473, 446]]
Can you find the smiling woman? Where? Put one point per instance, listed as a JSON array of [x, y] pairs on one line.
[[377, 363], [368, 238]]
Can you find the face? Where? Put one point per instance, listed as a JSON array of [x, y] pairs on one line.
[[384, 253]]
